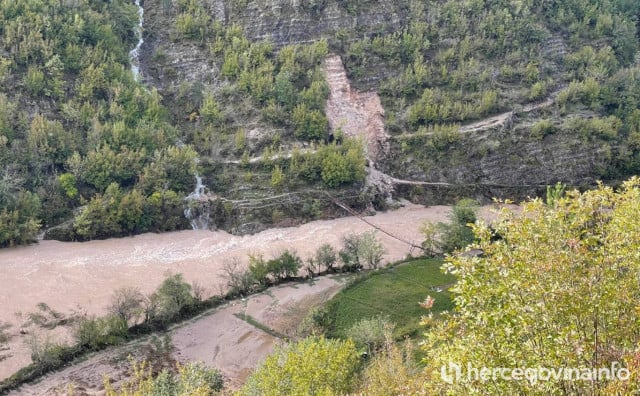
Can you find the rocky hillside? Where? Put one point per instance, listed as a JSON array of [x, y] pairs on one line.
[[278, 107], [487, 97]]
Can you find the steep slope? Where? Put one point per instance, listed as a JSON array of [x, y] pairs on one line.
[[469, 99], [477, 98]]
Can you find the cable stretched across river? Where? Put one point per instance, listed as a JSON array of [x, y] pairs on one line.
[[359, 216]]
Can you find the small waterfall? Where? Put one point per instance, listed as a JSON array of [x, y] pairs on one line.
[[197, 211], [134, 53]]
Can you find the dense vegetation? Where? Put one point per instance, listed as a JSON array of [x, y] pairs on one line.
[[76, 129], [132, 314], [556, 287]]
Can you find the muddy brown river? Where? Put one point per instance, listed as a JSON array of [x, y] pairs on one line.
[[72, 275]]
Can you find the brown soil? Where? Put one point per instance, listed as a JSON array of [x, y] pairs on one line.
[[218, 338], [357, 114], [225, 341]]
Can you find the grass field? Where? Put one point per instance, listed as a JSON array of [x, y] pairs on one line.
[[393, 293]]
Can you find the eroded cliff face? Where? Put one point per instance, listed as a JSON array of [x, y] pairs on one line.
[[281, 22], [300, 21]]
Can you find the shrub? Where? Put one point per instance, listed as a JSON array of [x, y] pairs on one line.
[[361, 250], [454, 235], [172, 298], [543, 128], [259, 270], [239, 281], [313, 366], [96, 333], [126, 303], [284, 266], [370, 333], [325, 256], [191, 379]]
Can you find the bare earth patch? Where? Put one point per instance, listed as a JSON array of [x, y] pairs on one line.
[[217, 338], [236, 347]]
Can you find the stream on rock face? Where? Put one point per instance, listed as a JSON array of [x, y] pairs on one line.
[[197, 211], [134, 53]]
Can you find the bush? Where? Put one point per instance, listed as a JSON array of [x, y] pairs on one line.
[[326, 256], [96, 333], [370, 333], [126, 303], [359, 251], [170, 301], [191, 379], [457, 234], [313, 366], [543, 128], [239, 281], [259, 270], [284, 266]]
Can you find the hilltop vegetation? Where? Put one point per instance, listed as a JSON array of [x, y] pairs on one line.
[[462, 61], [75, 123]]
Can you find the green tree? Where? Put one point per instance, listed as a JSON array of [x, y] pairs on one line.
[[309, 124], [370, 250], [371, 333], [313, 366], [556, 287], [68, 183], [325, 256], [361, 250], [131, 213], [171, 299], [277, 178], [457, 233], [19, 222], [335, 170], [284, 266]]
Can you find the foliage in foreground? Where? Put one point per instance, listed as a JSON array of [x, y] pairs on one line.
[[313, 366], [193, 379], [557, 286]]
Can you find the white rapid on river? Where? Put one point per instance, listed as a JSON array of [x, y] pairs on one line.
[[68, 275]]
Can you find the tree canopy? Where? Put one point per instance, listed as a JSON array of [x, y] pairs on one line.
[[557, 286]]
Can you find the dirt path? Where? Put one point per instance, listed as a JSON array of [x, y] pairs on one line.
[[219, 338], [501, 119], [360, 115], [67, 275]]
